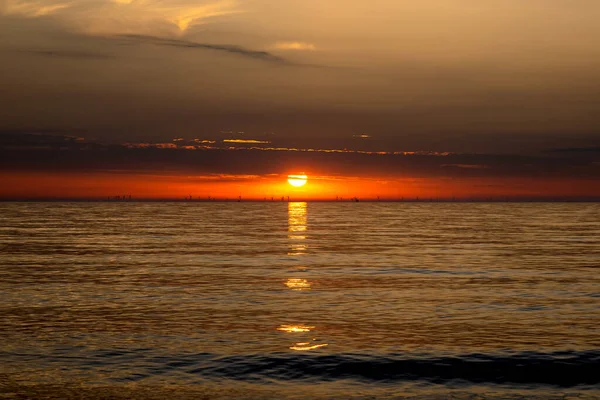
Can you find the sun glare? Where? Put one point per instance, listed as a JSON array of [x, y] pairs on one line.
[[297, 180]]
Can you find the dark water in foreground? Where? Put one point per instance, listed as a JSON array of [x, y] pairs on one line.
[[278, 300]]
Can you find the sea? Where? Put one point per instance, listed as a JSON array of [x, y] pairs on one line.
[[299, 300]]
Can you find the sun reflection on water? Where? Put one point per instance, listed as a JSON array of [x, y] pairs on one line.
[[297, 227], [297, 284], [307, 346], [297, 234], [295, 328]]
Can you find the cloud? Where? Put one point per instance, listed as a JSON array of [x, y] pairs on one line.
[[41, 139], [466, 166], [56, 151], [294, 46], [159, 41], [123, 16], [182, 15], [68, 54], [577, 150], [246, 141], [33, 8]]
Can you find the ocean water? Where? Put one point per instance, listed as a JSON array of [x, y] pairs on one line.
[[299, 300]]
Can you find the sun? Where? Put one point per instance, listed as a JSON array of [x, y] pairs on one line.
[[297, 180]]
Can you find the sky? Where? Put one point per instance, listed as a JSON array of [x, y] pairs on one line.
[[389, 98]]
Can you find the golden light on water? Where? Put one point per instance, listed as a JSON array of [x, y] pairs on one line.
[[307, 346], [297, 180], [297, 227], [297, 284], [297, 250], [297, 235], [295, 328]]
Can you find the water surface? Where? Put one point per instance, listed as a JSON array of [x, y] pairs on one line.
[[302, 299]]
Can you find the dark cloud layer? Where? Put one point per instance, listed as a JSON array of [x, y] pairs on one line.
[[577, 150], [60, 153]]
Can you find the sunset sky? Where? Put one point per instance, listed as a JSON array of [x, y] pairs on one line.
[[389, 98]]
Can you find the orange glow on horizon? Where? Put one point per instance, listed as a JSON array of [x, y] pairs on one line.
[[180, 186]]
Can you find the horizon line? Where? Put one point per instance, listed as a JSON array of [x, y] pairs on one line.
[[482, 199]]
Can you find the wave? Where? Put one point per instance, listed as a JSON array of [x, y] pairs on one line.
[[564, 369], [558, 369]]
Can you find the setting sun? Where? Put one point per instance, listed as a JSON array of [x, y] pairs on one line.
[[297, 180]]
